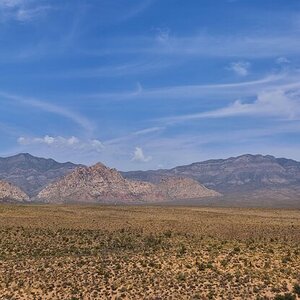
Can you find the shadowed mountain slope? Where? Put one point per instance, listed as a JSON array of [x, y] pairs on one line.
[[251, 175], [32, 173]]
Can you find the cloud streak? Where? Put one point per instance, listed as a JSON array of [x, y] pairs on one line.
[[133, 135], [116, 70], [277, 103], [22, 10], [184, 92], [80, 120], [254, 45]]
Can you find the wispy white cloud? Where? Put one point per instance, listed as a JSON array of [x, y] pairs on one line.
[[10, 130], [163, 35], [22, 10], [117, 70], [254, 45], [11, 3], [31, 13], [251, 46], [116, 12], [139, 156], [133, 135], [240, 68], [282, 60], [182, 142], [279, 103], [188, 147], [198, 90], [136, 10], [60, 142], [80, 120], [148, 130]]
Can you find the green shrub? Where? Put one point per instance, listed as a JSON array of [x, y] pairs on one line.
[[296, 289], [287, 296], [181, 277], [182, 250]]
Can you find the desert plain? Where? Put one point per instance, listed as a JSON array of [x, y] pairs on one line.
[[148, 252]]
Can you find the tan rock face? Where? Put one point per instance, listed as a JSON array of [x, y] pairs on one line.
[[101, 184], [9, 192]]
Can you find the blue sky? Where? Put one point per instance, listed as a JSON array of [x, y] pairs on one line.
[[140, 84]]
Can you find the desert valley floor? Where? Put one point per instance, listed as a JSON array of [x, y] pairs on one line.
[[138, 252]]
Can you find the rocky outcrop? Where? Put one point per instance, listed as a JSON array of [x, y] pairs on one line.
[[9, 192], [101, 184]]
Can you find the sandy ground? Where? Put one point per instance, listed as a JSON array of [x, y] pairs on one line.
[[127, 252]]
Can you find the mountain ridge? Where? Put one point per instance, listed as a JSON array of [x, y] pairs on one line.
[[100, 184], [31, 173], [246, 174]]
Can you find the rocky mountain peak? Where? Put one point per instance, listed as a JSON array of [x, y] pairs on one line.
[[99, 183], [32, 173], [103, 170], [22, 156]]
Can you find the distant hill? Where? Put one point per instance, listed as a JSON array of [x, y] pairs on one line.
[[32, 173], [254, 176]]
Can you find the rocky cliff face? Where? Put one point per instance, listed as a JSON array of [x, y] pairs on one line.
[[30, 173], [101, 184], [9, 192]]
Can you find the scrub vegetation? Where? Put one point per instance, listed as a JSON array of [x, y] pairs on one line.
[[138, 252]]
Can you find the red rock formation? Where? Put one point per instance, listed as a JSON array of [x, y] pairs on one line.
[[101, 184]]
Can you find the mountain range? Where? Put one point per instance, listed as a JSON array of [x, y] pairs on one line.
[[244, 177]]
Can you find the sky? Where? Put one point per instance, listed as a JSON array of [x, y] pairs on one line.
[[148, 84]]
